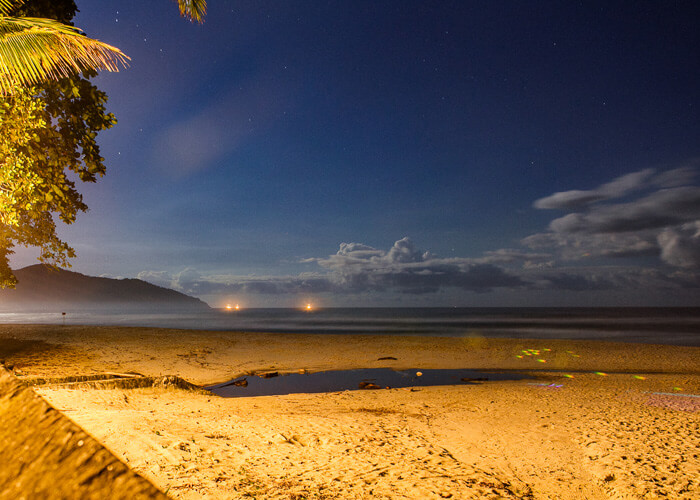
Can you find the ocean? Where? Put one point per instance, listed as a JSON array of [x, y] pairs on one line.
[[677, 326]]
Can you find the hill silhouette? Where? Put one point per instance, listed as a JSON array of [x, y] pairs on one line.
[[42, 288]]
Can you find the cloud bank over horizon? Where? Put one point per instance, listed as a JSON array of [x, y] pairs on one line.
[[638, 232], [661, 220]]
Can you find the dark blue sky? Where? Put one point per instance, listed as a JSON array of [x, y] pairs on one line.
[[251, 147]]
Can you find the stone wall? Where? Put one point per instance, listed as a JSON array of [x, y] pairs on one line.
[[44, 455]]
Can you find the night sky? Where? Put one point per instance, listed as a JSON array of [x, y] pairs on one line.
[[400, 153]]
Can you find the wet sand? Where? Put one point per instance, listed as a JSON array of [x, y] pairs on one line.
[[597, 420]]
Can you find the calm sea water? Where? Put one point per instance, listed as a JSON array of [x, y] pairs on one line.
[[680, 326]]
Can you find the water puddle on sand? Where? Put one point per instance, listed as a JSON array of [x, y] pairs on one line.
[[344, 380]]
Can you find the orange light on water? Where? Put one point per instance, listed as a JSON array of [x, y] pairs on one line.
[[237, 308], [228, 307], [309, 307]]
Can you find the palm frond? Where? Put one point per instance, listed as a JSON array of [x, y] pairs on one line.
[[194, 10], [33, 50], [6, 6]]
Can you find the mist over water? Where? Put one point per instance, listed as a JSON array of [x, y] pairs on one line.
[[679, 326]]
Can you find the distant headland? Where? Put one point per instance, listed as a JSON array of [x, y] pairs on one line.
[[41, 288]]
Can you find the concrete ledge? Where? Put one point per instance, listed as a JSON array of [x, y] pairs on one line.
[[44, 455]]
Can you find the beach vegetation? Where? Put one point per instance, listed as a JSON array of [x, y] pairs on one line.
[[36, 48], [48, 131], [37, 45], [50, 115], [34, 181], [194, 10]]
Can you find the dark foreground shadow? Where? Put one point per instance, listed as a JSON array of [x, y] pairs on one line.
[[44, 455]]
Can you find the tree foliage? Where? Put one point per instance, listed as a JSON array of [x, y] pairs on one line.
[[47, 143], [48, 131], [194, 10], [34, 49]]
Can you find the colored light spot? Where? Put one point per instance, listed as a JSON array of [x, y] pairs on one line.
[[602, 374], [677, 388], [554, 385], [640, 377], [541, 360], [567, 375], [519, 356]]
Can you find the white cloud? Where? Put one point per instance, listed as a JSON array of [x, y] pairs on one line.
[[356, 268], [404, 251], [191, 281], [681, 246], [187, 279], [663, 208], [659, 222], [620, 187], [586, 246], [617, 188], [509, 255], [662, 222], [404, 268], [599, 278], [360, 270], [160, 278], [682, 176]]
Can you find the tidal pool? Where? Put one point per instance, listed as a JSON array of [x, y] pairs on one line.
[[344, 380]]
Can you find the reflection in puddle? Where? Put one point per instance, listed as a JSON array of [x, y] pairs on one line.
[[343, 380]]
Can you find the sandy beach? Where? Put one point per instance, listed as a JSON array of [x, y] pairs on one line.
[[594, 420]]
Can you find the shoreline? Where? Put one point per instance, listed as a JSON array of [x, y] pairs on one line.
[[667, 326], [601, 434], [209, 357]]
